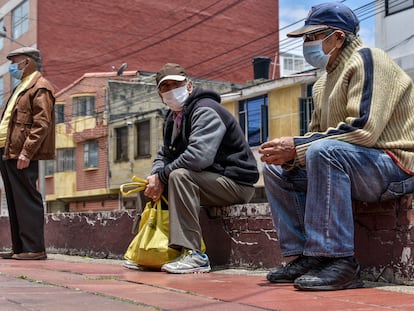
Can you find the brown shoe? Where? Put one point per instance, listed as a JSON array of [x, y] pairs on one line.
[[30, 256], [6, 255]]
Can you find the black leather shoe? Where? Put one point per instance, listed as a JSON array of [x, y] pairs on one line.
[[295, 269], [338, 273]]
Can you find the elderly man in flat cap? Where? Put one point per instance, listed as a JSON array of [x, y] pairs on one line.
[[360, 146], [27, 134], [204, 161]]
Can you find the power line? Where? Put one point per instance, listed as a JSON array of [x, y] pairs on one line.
[[148, 36], [157, 42], [287, 44]]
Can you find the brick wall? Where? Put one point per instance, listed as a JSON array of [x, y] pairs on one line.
[[94, 206], [384, 239], [92, 178], [212, 39]]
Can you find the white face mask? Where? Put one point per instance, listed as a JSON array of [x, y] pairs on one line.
[[175, 98]]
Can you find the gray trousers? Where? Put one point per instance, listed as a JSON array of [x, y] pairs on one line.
[[187, 192]]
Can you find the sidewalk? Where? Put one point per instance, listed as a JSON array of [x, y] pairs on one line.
[[67, 283]]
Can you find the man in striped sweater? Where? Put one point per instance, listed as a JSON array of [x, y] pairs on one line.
[[360, 146]]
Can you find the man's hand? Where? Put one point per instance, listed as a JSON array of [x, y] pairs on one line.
[[278, 151], [22, 162], [155, 187]]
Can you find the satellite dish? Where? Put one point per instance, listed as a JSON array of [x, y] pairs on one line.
[[121, 69]]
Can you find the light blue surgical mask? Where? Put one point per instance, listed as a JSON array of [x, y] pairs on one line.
[[314, 54], [14, 70]]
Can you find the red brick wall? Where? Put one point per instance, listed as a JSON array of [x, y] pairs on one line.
[[88, 179], [91, 206], [212, 39], [49, 185]]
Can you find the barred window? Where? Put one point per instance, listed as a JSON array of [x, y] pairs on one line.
[[90, 154], [143, 139], [306, 108], [49, 167], [20, 19], [65, 160], [253, 116], [121, 143], [60, 113], [1, 92], [1, 38], [83, 106]]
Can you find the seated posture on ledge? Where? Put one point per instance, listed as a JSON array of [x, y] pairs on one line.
[[204, 161], [360, 146]]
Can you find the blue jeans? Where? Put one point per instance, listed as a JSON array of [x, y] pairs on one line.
[[312, 207]]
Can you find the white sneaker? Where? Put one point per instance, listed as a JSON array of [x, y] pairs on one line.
[[189, 262], [131, 265]]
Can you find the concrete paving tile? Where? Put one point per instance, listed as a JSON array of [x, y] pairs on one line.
[[117, 288], [20, 294], [142, 294], [383, 298]]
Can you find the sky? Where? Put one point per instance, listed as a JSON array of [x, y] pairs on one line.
[[292, 11]]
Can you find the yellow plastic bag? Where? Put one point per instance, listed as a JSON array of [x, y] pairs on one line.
[[137, 185], [150, 248]]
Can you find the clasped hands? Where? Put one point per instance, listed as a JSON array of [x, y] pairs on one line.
[[278, 151]]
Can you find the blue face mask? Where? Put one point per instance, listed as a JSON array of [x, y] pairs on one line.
[[14, 70], [314, 54]]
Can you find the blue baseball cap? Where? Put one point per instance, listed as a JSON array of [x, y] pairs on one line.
[[328, 15]]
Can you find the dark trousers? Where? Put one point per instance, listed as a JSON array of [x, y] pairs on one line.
[[25, 205]]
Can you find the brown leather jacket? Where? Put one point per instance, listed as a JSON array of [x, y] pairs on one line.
[[31, 130]]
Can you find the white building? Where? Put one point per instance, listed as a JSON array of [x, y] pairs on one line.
[[292, 62], [395, 31]]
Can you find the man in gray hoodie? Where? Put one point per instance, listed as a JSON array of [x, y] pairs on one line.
[[205, 161]]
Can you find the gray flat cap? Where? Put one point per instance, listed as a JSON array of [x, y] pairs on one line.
[[28, 51]]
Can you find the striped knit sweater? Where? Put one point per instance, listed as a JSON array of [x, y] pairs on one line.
[[366, 99]]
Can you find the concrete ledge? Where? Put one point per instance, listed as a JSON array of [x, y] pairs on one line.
[[96, 234], [243, 236]]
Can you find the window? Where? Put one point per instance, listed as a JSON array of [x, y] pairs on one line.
[[1, 38], [121, 136], [20, 19], [1, 92], [288, 64], [143, 139], [306, 108], [90, 154], [49, 167], [60, 113], [83, 106], [66, 160], [254, 119], [395, 6]]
